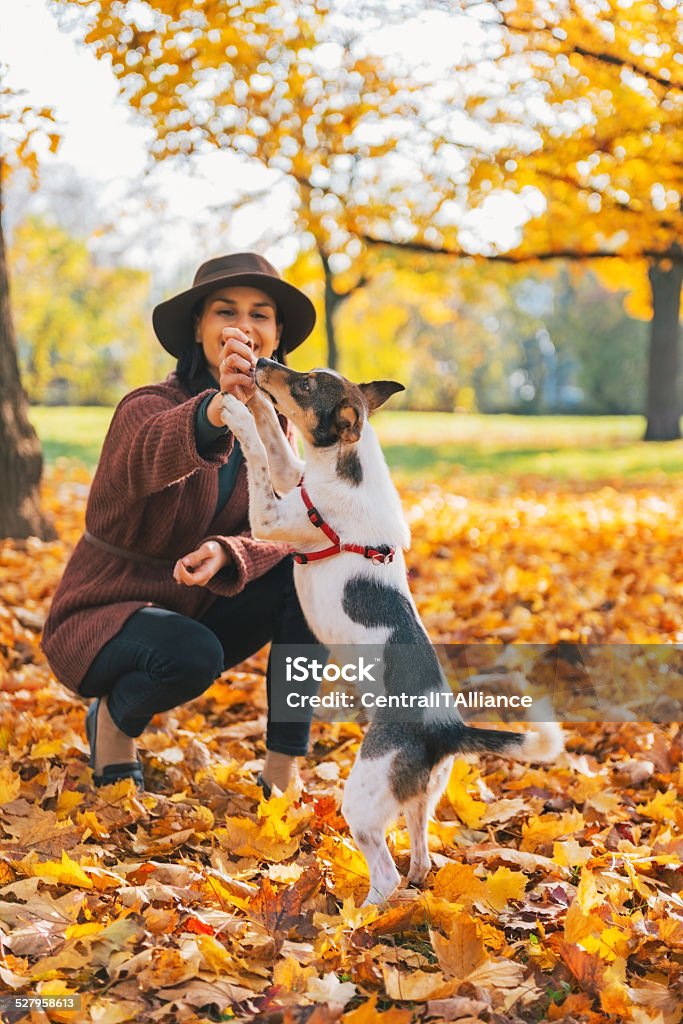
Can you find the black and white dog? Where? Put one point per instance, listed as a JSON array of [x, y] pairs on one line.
[[342, 512]]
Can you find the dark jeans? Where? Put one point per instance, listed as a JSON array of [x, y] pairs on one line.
[[161, 659]]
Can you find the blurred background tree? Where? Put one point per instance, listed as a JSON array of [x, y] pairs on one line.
[[583, 103], [291, 86], [369, 144], [81, 329], [21, 463]]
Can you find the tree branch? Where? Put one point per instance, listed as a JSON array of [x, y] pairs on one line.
[[674, 252], [584, 51]]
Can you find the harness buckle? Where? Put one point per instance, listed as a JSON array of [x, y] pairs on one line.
[[315, 516], [377, 556], [300, 557]]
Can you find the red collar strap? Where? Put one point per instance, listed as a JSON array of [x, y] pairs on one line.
[[378, 556]]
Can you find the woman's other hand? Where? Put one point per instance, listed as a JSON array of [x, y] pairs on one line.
[[200, 566]]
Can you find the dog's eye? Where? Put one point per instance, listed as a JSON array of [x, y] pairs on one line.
[[305, 384]]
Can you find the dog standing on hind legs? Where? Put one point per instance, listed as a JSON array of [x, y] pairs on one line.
[[342, 512]]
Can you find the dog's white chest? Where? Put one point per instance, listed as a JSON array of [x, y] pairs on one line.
[[320, 589]]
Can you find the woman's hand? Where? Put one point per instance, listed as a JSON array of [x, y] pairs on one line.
[[237, 364], [236, 368], [200, 566]]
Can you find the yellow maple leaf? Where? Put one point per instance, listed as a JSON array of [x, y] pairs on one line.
[[468, 808], [220, 893], [10, 784], [541, 830], [587, 895], [417, 986], [77, 931], [458, 883], [349, 867], [46, 748], [367, 1013], [463, 950], [569, 854], [615, 997], [66, 871], [91, 825], [608, 943], [68, 799], [248, 838], [504, 885], [662, 807], [292, 976], [216, 956]]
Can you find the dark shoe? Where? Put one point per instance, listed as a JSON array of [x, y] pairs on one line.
[[260, 781], [110, 772]]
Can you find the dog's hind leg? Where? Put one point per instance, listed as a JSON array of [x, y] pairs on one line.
[[417, 812], [416, 819], [369, 807]]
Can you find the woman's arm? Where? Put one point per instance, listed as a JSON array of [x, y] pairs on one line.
[[152, 443], [247, 560]]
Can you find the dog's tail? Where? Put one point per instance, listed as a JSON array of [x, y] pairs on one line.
[[543, 743]]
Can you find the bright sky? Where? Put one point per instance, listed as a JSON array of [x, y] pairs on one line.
[[101, 141]]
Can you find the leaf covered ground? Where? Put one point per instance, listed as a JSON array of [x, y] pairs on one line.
[[555, 892]]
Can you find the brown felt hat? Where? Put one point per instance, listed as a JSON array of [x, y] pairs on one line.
[[172, 319]]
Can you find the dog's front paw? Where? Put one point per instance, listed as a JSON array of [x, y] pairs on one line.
[[237, 417]]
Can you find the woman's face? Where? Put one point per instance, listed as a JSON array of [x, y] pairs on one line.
[[250, 310]]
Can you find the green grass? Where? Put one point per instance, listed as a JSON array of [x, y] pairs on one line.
[[434, 445], [563, 447], [71, 432]]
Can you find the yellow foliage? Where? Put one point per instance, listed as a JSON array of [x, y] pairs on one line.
[[24, 128], [463, 950], [468, 808], [66, 871], [10, 784], [539, 831], [504, 885], [606, 148], [269, 902]]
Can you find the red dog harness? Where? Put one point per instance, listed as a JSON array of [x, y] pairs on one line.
[[378, 556]]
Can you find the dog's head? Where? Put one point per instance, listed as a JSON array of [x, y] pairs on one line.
[[327, 408]]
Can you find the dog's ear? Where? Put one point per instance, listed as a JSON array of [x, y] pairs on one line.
[[348, 421], [377, 392]]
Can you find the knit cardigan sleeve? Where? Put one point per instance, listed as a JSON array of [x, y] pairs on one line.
[[152, 442], [249, 559]]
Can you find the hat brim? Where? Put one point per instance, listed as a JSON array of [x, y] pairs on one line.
[[172, 319]]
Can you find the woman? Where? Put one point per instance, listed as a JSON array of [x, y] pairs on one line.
[[166, 588]]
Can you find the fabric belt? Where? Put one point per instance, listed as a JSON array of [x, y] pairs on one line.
[[129, 556]]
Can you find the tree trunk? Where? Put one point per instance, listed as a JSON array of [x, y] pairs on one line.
[[663, 410], [21, 462], [332, 301]]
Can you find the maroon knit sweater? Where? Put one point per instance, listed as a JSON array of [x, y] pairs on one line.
[[154, 494]]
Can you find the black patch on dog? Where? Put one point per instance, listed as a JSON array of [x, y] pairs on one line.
[[325, 432], [372, 603], [412, 667], [349, 467]]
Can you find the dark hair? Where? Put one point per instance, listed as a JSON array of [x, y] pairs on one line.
[[192, 365]]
